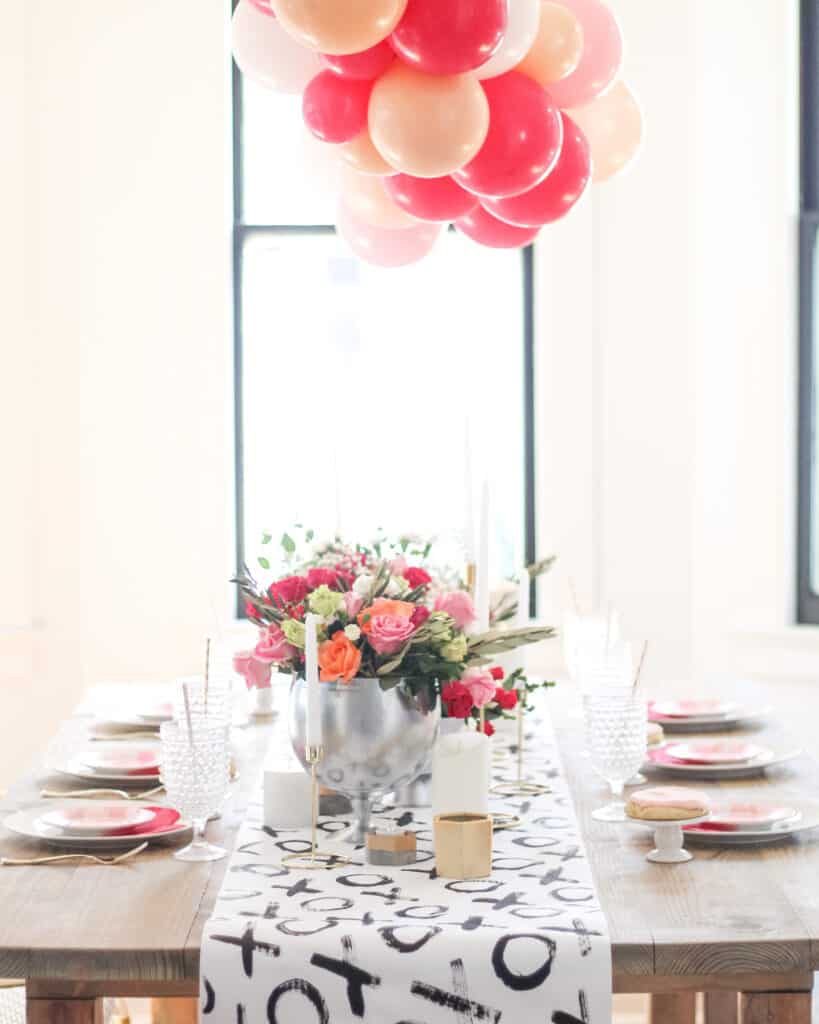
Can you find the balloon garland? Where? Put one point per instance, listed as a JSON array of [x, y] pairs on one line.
[[493, 115]]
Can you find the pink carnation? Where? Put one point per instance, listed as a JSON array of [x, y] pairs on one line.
[[480, 684], [256, 673], [458, 605], [273, 645], [398, 566], [388, 633], [322, 578], [352, 603]]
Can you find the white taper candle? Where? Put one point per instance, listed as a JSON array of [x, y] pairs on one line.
[[311, 675], [469, 499], [482, 565]]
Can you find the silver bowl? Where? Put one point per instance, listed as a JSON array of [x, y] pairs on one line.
[[374, 740]]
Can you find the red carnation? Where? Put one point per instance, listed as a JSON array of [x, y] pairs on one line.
[[458, 700], [250, 611], [289, 590], [419, 616], [497, 672], [322, 578], [506, 699], [345, 575], [417, 577], [488, 729]]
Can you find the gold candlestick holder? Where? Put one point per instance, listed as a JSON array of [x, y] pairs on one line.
[[520, 787], [471, 573], [314, 859]]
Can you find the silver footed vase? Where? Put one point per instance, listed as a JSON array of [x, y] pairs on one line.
[[373, 740]]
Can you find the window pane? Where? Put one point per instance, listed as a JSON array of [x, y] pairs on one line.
[[284, 175], [358, 384]]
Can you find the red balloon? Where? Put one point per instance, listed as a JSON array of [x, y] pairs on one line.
[[524, 140], [363, 66], [553, 197], [482, 227], [335, 109], [436, 199], [447, 37]]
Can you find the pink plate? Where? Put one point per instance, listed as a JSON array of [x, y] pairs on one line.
[[749, 817], [714, 751], [708, 706], [126, 759], [103, 818]]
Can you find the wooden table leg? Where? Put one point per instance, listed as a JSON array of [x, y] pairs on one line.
[[675, 1008], [721, 1007], [63, 1011], [174, 1011], [775, 1007]]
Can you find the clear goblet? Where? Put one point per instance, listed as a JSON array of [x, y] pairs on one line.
[[616, 736], [195, 770]]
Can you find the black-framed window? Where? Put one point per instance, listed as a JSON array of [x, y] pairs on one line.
[[354, 385], [808, 477]]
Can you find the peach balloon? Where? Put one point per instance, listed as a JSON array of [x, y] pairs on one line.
[[361, 154], [613, 125], [266, 53], [427, 125], [557, 48], [385, 247], [339, 26], [366, 196]]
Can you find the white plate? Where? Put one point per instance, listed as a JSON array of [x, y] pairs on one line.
[[78, 767], [28, 823], [808, 819], [742, 715], [126, 758], [711, 752], [723, 771], [705, 707], [96, 817]]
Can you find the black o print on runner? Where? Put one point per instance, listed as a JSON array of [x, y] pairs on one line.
[[367, 880], [513, 979], [310, 992], [562, 892], [473, 887], [356, 977], [295, 845], [423, 913], [209, 1002], [390, 936], [327, 904], [302, 933], [536, 842]]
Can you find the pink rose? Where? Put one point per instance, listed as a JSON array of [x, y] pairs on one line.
[[480, 684], [273, 645], [458, 605], [388, 633], [352, 603], [256, 673]]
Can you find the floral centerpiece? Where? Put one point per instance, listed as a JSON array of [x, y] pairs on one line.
[[380, 617]]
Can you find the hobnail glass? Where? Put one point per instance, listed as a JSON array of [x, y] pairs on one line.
[[196, 772], [616, 737]]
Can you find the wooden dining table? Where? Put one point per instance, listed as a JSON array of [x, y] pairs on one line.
[[738, 924]]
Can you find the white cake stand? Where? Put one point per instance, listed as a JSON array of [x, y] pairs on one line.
[[668, 839]]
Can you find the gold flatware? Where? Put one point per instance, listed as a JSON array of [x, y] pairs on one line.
[[121, 793], [122, 737], [121, 858]]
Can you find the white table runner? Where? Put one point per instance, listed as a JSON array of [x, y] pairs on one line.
[[528, 945]]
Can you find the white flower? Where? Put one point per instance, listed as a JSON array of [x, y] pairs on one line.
[[363, 584], [352, 632], [396, 586]]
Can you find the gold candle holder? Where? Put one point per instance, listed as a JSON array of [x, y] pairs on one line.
[[520, 787], [471, 573], [314, 859]]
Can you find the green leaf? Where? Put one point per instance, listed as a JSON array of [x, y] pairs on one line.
[[263, 562], [288, 543], [497, 641], [309, 535], [266, 537]]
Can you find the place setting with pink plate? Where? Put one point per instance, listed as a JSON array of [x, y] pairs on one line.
[[126, 764], [705, 714], [716, 759], [738, 822]]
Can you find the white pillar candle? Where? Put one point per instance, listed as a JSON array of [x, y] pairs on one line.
[[287, 794], [482, 565], [313, 732], [469, 499], [461, 771]]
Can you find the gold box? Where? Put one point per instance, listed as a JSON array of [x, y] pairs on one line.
[[463, 845]]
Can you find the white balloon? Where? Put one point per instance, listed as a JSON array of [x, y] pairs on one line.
[[267, 54], [523, 17]]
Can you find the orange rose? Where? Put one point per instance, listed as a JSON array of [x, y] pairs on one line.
[[338, 658], [383, 606]]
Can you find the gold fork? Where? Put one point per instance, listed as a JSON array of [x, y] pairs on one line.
[[121, 793], [11, 862]]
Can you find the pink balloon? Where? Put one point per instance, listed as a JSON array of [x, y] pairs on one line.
[[385, 247], [481, 226], [447, 37], [524, 140], [264, 7], [553, 197], [363, 66], [335, 109], [601, 58], [435, 199]]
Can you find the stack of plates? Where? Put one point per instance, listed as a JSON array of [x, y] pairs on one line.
[[711, 759], [705, 714], [96, 823], [115, 762], [749, 823]]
